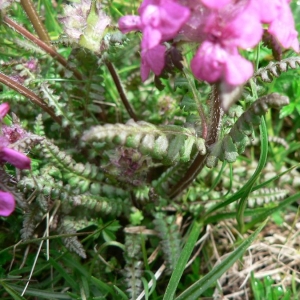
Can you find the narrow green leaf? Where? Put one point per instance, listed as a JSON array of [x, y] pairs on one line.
[[102, 286], [146, 288], [200, 286], [249, 185], [39, 294], [11, 291], [239, 194], [120, 293], [64, 274], [183, 259]]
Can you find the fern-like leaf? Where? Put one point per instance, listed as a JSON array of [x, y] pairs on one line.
[[235, 141], [274, 69], [68, 117], [168, 232], [168, 143], [78, 175], [133, 269], [30, 220], [72, 243]]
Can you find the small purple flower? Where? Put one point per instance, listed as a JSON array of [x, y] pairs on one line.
[[152, 59], [218, 57], [7, 204], [17, 159], [159, 21], [4, 108], [212, 63], [283, 28], [31, 64], [215, 4], [278, 14]]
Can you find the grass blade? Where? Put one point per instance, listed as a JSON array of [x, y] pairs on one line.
[[249, 185], [184, 257], [200, 286]]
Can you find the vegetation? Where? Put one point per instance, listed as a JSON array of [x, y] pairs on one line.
[[144, 190]]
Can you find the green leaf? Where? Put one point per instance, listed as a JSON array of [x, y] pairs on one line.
[[69, 279], [120, 293], [249, 185], [11, 291], [183, 259], [200, 286], [39, 294]]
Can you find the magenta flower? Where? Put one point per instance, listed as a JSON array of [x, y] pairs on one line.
[[278, 15], [17, 159], [283, 27], [159, 21], [152, 59], [4, 108], [212, 63], [215, 4], [218, 57], [7, 204]]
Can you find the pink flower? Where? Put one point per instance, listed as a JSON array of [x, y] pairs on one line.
[[4, 108], [7, 204], [215, 4], [212, 63], [278, 14], [218, 58], [129, 23], [17, 159], [159, 21], [283, 28], [152, 59]]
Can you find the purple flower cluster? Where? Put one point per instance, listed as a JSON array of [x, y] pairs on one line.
[[221, 27], [7, 154]]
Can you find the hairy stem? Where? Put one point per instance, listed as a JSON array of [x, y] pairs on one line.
[[120, 89], [200, 160], [29, 94], [42, 45], [35, 21]]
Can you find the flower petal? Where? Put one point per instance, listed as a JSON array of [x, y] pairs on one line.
[[129, 23], [19, 160], [7, 204], [215, 4], [4, 108], [208, 63], [283, 28], [237, 70], [152, 59]]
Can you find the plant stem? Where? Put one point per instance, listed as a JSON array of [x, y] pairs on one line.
[[42, 45], [29, 94], [212, 136], [120, 90], [35, 21]]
